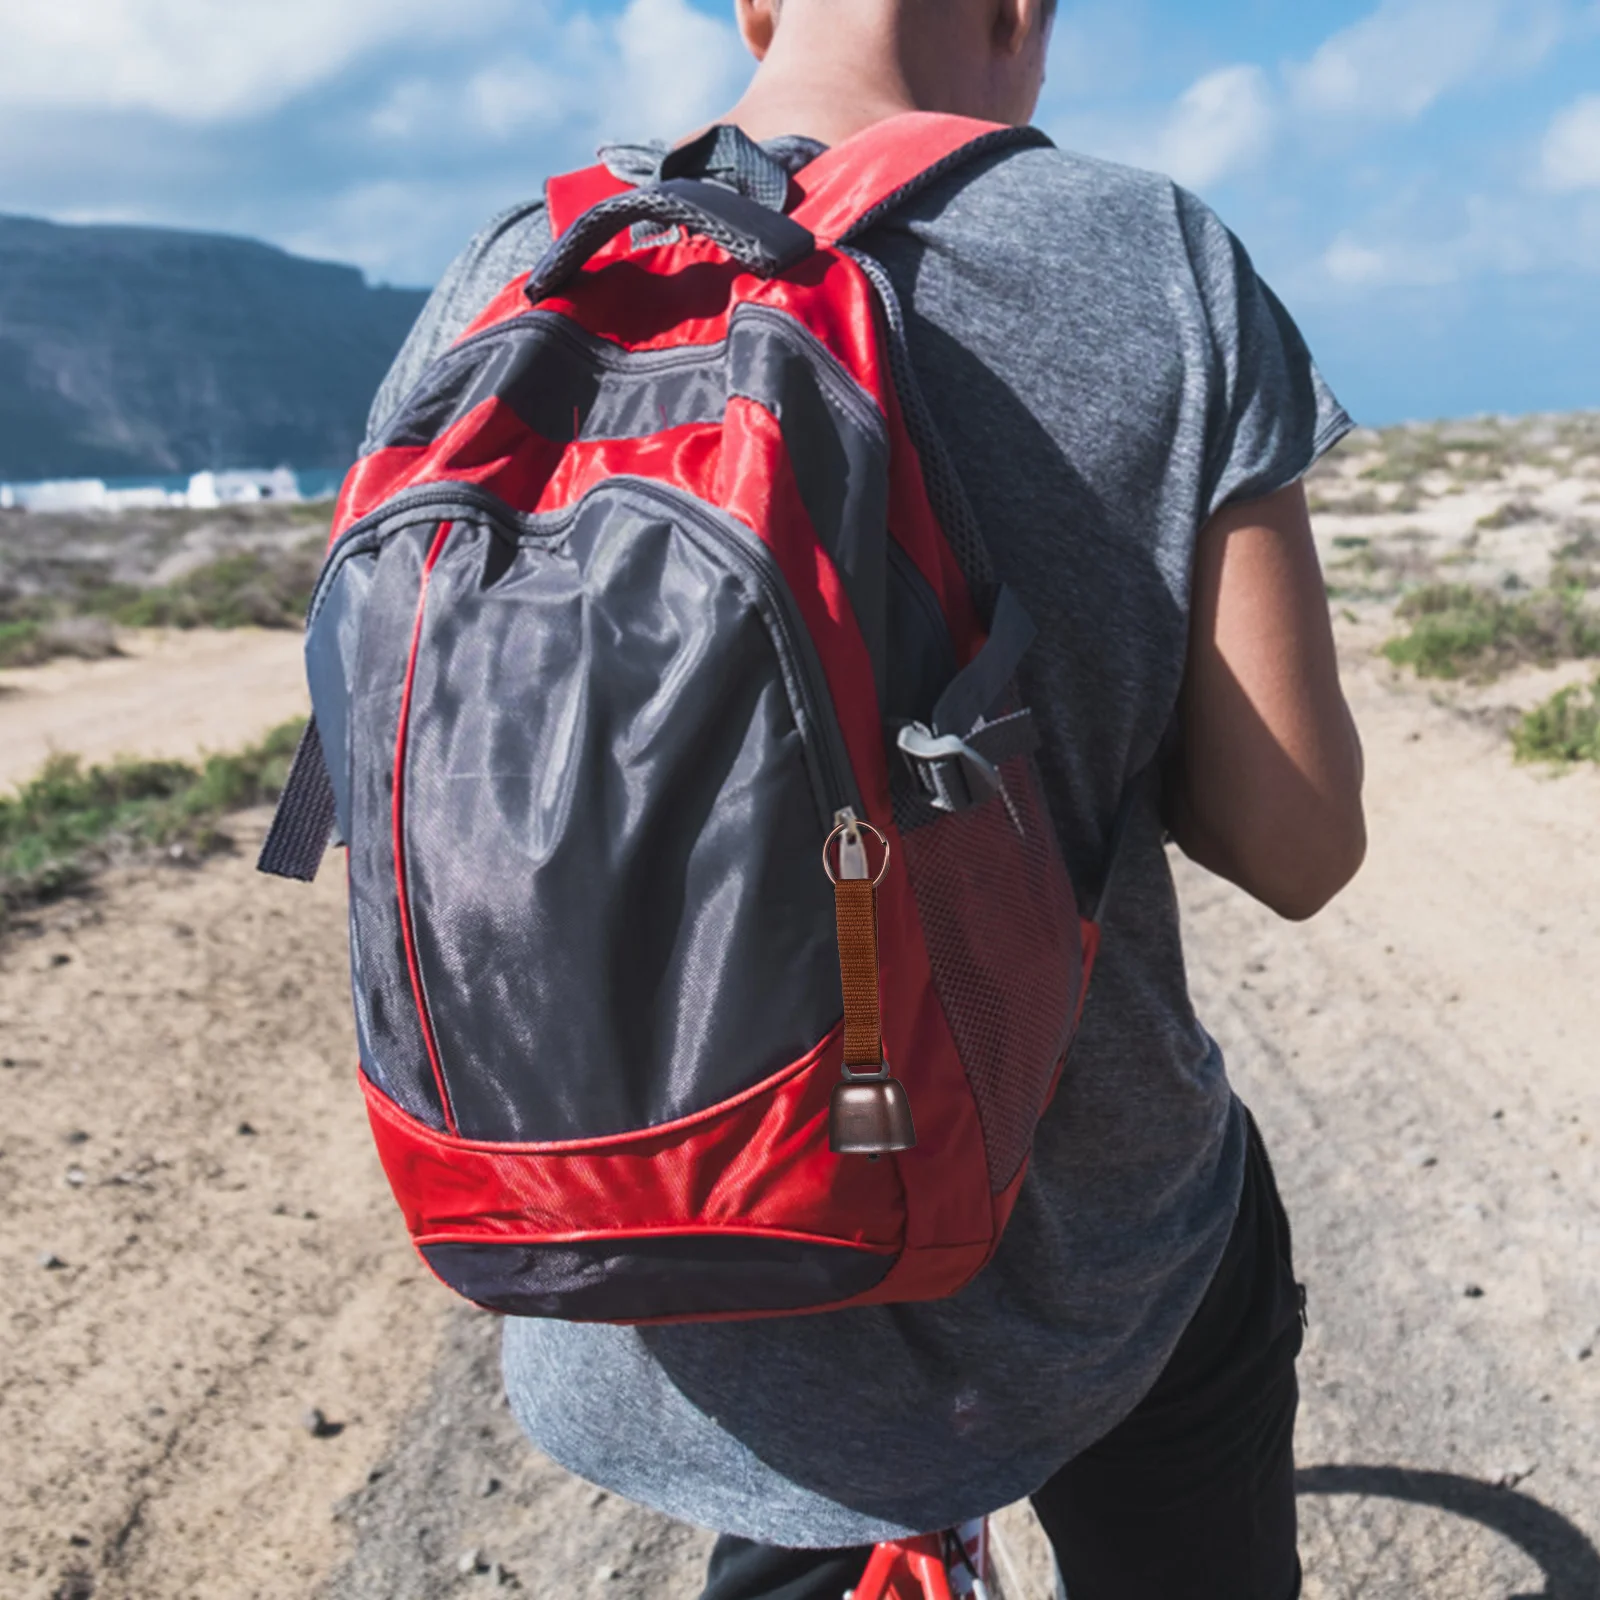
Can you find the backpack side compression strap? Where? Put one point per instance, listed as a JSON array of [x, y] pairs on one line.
[[305, 819]]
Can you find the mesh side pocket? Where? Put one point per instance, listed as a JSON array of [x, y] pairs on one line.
[[1004, 942]]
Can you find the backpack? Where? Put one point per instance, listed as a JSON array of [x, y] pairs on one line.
[[663, 695]]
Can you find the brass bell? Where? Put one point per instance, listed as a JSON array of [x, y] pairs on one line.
[[870, 1116]]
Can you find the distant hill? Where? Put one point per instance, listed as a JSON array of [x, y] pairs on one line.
[[126, 351]]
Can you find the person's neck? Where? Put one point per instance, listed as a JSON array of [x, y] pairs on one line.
[[833, 71]]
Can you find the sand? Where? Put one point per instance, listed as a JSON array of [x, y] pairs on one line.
[[170, 694], [1421, 1058]]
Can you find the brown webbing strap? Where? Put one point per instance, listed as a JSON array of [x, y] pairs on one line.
[[856, 902]]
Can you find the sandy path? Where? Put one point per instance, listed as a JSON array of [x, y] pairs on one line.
[[1453, 982], [170, 694], [213, 1283], [1422, 1059]]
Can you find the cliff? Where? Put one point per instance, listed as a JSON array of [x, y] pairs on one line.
[[127, 350]]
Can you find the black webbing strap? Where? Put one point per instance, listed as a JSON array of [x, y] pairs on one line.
[[975, 691], [304, 820]]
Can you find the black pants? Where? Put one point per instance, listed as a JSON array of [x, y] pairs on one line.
[[1192, 1496]]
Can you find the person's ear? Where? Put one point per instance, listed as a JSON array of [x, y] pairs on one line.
[[1014, 24], [758, 21]]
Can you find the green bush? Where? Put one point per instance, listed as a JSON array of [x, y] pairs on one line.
[[56, 829], [20, 645], [1460, 630], [1564, 729], [245, 589]]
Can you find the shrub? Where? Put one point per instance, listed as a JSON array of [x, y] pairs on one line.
[[1461, 630], [1566, 728], [57, 828]]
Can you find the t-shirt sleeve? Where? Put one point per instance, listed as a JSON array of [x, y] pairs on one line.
[[1270, 413], [510, 244]]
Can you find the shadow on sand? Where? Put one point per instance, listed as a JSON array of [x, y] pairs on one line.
[[1569, 1561]]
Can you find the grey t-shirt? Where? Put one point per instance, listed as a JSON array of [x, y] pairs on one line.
[[1107, 370]]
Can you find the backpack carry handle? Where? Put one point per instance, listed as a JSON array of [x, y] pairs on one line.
[[765, 241]]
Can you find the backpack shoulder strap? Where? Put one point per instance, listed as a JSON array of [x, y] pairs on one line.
[[849, 187], [567, 197]]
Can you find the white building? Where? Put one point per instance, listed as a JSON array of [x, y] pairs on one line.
[[206, 491]]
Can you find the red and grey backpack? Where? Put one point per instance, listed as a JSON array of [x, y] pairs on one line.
[[664, 699]]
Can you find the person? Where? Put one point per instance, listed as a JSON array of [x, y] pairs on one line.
[[1131, 412]]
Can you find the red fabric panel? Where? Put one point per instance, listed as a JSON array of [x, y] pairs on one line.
[[681, 294], [567, 197], [846, 182], [757, 1163], [512, 301], [686, 457], [756, 483], [491, 446]]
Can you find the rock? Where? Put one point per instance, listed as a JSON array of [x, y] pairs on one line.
[[605, 1573], [471, 1562], [245, 1131], [490, 1486], [1421, 1158], [51, 1262], [61, 959], [77, 1136], [1509, 1477], [316, 1423], [503, 1577], [1472, 1291], [76, 1177]]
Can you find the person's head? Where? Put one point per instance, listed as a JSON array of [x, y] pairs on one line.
[[980, 58]]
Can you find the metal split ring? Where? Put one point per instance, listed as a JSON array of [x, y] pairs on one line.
[[845, 827]]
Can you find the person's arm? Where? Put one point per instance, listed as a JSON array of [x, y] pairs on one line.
[[1266, 789]]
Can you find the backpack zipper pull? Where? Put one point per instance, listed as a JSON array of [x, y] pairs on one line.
[[869, 1114]]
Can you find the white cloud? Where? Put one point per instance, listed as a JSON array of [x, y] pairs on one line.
[[658, 69], [203, 60], [1351, 264], [1399, 59], [1486, 235], [1570, 158], [1220, 124], [678, 67]]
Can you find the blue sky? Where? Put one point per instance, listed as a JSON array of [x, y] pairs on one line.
[[1419, 179]]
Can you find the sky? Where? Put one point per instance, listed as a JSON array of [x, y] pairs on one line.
[[1419, 180]]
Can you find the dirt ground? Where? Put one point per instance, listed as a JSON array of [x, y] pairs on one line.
[[202, 1259], [170, 694]]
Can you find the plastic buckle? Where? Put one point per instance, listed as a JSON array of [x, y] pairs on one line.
[[951, 774]]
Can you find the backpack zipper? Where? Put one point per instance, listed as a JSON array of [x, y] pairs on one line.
[[805, 683]]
